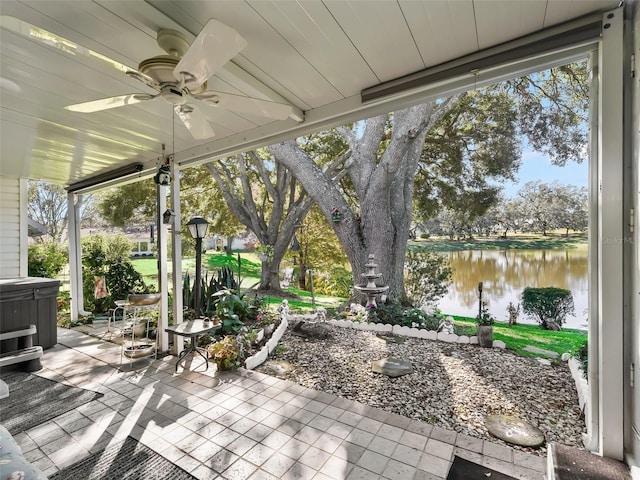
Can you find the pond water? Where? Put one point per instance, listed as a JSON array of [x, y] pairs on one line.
[[505, 273]]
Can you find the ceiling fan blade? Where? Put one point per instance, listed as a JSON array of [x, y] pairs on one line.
[[214, 46], [141, 77], [242, 104], [195, 121], [112, 102]]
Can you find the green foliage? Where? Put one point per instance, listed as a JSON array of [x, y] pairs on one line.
[[46, 259], [387, 313], [582, 354], [227, 353], [338, 282], [485, 318], [108, 256], [233, 311], [395, 314], [63, 301], [427, 276], [549, 306]]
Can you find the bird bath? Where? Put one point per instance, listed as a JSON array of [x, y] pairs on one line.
[[371, 290]]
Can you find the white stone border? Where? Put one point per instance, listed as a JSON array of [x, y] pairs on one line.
[[412, 332], [582, 386], [259, 358]]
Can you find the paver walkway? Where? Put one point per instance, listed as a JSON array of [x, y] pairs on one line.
[[243, 425]]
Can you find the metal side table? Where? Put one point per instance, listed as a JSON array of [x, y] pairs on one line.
[[193, 329]]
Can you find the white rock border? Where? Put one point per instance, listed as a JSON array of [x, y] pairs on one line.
[[259, 358], [412, 332], [582, 385]]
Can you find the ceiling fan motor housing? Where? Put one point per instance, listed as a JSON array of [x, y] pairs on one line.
[[173, 95]]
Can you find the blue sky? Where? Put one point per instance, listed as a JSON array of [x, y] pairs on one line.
[[537, 167]]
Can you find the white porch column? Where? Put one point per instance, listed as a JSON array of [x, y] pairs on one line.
[[163, 283], [75, 257], [611, 218], [176, 255]]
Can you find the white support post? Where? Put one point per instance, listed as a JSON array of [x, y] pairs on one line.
[[178, 340], [611, 219], [591, 438], [163, 284], [75, 258], [23, 267]]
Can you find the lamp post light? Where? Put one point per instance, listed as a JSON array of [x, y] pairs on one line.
[[198, 229]]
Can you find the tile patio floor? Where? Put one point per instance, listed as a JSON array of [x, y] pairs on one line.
[[243, 425]]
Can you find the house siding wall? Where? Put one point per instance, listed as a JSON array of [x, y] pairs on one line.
[[13, 228]]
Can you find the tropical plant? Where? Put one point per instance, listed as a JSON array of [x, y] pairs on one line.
[[549, 306]]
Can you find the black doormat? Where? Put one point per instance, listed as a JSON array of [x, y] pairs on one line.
[[463, 469], [128, 460], [34, 400]]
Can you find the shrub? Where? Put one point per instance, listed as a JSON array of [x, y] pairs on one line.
[[338, 283], [46, 259], [427, 276], [549, 306], [108, 256], [391, 314]]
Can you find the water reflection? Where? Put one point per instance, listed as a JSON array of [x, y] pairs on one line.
[[506, 273]]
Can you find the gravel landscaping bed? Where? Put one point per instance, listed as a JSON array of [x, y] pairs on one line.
[[453, 386]]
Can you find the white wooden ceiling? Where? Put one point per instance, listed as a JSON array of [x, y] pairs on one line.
[[316, 55]]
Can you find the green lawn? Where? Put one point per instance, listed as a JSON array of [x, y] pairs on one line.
[[523, 335], [525, 242]]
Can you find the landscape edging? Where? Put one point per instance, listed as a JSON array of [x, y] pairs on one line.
[[412, 332], [261, 356]]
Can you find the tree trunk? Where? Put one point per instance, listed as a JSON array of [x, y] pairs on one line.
[[383, 184]]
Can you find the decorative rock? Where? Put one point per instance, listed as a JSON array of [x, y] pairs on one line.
[[514, 430], [565, 357], [473, 340], [544, 361], [392, 367], [463, 339], [499, 344], [278, 368], [311, 330], [540, 351]]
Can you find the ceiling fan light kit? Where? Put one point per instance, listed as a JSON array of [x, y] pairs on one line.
[[180, 78]]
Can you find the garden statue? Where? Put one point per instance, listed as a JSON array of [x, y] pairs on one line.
[[283, 309], [321, 314], [446, 325]]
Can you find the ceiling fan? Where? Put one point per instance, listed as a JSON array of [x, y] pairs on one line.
[[180, 78]]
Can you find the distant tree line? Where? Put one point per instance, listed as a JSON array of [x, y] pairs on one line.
[[537, 208]]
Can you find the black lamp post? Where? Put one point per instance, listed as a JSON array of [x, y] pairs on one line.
[[480, 300], [198, 229]]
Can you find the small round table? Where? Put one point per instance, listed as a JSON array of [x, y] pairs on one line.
[[193, 329]]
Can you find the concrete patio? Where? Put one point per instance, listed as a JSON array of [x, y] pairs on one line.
[[242, 425]]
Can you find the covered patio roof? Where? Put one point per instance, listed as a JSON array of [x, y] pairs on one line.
[[315, 56]]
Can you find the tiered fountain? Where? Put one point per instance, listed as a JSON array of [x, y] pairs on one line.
[[371, 290]]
